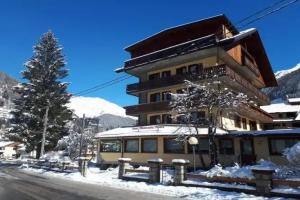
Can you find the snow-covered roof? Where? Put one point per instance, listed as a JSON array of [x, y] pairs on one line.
[[294, 100], [5, 143], [280, 107], [158, 130], [241, 35], [283, 120], [298, 117], [268, 132]]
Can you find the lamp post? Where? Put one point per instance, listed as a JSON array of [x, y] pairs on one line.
[[193, 141]]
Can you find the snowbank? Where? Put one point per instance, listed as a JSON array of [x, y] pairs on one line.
[[109, 178]]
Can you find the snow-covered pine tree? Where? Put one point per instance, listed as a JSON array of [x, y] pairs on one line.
[[43, 87], [213, 97]]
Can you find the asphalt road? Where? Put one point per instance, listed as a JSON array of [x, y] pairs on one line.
[[15, 184]]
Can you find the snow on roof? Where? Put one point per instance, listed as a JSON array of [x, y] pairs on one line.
[[153, 131], [283, 120], [280, 107], [5, 143], [268, 132], [298, 116], [241, 35], [293, 100]]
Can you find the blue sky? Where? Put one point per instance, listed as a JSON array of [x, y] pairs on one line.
[[94, 33]]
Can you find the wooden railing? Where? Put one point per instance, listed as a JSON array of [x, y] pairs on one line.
[[207, 73], [147, 107], [173, 51]]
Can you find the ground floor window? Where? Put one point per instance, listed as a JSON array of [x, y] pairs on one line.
[[204, 146], [131, 145], [226, 146], [277, 146], [149, 145], [110, 146], [171, 145]]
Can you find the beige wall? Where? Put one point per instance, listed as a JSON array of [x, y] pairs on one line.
[[261, 150]]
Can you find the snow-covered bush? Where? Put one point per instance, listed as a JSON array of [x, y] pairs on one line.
[[55, 156], [293, 155]]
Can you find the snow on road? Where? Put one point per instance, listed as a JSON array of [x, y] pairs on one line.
[[109, 178]]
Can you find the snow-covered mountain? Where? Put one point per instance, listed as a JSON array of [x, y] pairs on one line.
[[108, 114], [288, 83]]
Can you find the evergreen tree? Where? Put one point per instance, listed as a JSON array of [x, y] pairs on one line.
[[43, 88]]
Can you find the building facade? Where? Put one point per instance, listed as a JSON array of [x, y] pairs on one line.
[[206, 50]]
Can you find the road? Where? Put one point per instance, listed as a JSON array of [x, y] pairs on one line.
[[16, 184]]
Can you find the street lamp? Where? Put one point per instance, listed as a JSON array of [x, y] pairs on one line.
[[193, 141]]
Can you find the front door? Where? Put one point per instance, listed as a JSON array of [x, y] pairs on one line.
[[247, 152]]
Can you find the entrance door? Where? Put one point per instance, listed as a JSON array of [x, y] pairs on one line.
[[247, 152]]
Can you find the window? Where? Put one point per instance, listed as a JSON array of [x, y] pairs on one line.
[[197, 116], [244, 123], [181, 70], [237, 121], [154, 76], [149, 145], [277, 146], [132, 145], [165, 74], [253, 126], [166, 119], [291, 115], [204, 146], [166, 96], [180, 91], [226, 146], [173, 146], [155, 97], [195, 68], [155, 119], [110, 146], [280, 115]]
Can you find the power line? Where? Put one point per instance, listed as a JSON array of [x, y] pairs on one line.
[[244, 22]]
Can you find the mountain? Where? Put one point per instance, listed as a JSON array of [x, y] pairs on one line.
[[6, 90], [108, 114], [288, 83]]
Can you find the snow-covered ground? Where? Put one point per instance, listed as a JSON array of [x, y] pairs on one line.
[[109, 178]]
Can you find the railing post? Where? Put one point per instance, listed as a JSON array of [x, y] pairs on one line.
[[263, 180], [123, 163], [154, 170], [83, 163], [180, 170]]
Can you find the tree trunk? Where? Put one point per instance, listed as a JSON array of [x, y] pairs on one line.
[[199, 152], [44, 131]]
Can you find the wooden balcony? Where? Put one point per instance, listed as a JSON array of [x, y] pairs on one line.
[[147, 108], [249, 61], [221, 71]]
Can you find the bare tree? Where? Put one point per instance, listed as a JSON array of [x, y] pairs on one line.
[[213, 97]]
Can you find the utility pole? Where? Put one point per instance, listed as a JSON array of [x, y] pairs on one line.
[[82, 132], [44, 130]]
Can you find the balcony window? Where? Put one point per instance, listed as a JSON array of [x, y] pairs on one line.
[[110, 146], [155, 97], [173, 146], [198, 116], [204, 146], [226, 146], [165, 74], [155, 119], [277, 146], [195, 68], [132, 145], [166, 96], [237, 121], [149, 145], [253, 125], [154, 76], [181, 70], [291, 114], [244, 123], [166, 119]]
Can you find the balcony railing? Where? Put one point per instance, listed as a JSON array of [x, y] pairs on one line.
[[173, 51], [147, 108], [207, 73]]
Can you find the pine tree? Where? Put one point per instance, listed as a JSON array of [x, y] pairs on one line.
[[43, 88]]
